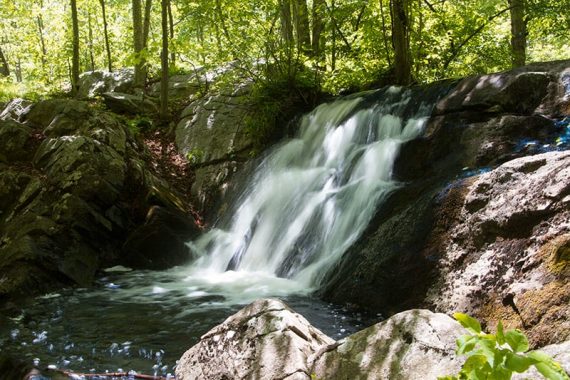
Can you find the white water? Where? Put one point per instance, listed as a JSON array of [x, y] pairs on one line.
[[308, 200]]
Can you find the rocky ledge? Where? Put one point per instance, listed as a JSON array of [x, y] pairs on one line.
[[267, 340], [78, 192]]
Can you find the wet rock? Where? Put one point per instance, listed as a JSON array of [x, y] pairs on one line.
[[160, 242], [95, 83], [505, 255], [130, 104], [264, 340]]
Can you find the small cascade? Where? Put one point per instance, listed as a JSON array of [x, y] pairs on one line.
[[313, 196]]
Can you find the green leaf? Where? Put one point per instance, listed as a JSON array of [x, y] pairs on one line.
[[500, 333], [465, 344], [468, 322], [516, 340], [474, 362], [547, 366], [518, 363]]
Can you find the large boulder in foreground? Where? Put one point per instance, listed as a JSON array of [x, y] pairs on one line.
[[267, 340]]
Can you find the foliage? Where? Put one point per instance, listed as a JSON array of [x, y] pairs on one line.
[[138, 124], [497, 356]]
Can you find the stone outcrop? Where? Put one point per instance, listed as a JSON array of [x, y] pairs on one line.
[[480, 124], [212, 135], [505, 254], [267, 340], [98, 82], [74, 184]]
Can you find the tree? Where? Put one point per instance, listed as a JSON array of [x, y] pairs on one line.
[[4, 68], [518, 32], [164, 62], [302, 30], [106, 32], [401, 41], [75, 59]]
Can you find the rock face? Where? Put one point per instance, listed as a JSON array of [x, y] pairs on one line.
[[212, 134], [480, 124], [95, 83], [267, 340], [74, 183], [505, 255]]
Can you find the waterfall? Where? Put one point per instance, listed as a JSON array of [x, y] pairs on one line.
[[313, 196]]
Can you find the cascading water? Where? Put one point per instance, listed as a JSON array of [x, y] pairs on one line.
[[308, 200], [313, 196]]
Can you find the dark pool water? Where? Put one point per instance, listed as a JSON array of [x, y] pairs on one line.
[[144, 321]]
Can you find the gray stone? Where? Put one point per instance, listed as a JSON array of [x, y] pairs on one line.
[[412, 345], [264, 340], [95, 83], [130, 104], [16, 109], [180, 86], [14, 137]]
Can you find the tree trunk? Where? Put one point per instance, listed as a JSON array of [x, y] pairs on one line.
[[286, 24], [318, 26], [75, 59], [333, 49], [90, 36], [384, 33], [401, 41], [105, 29], [164, 63], [4, 68], [138, 39], [171, 26], [40, 23], [518, 32], [301, 22], [146, 31], [19, 70]]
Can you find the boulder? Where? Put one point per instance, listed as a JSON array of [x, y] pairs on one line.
[[160, 242], [415, 344], [505, 255], [180, 86], [96, 83], [264, 340], [15, 109], [14, 137], [119, 102]]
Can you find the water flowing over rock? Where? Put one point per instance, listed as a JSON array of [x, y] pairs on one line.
[[267, 340], [479, 125]]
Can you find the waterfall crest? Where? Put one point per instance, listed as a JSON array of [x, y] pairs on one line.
[[313, 196]]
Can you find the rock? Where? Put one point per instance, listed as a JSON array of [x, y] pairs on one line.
[[264, 340], [267, 340], [14, 137], [16, 109], [119, 102], [160, 243], [180, 86], [68, 206], [505, 254], [212, 134], [415, 344], [96, 83]]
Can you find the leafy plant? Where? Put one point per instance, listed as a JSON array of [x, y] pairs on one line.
[[497, 356]]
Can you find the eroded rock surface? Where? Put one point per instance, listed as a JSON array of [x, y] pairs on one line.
[[505, 255], [265, 340]]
